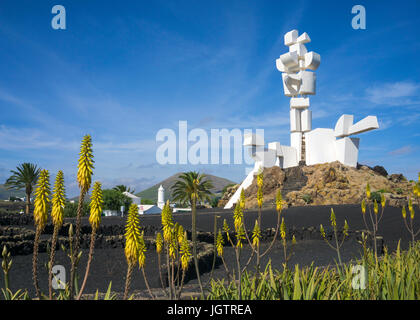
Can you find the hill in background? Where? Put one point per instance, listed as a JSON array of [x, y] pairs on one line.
[[5, 194], [151, 193]]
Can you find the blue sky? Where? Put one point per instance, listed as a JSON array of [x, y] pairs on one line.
[[123, 70]]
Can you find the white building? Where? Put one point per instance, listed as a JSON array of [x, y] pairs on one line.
[[134, 198], [149, 209], [321, 145]]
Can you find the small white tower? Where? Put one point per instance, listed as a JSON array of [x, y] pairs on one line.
[[161, 197]]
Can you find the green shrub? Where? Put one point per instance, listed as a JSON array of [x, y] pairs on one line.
[[70, 210], [307, 198], [113, 200], [376, 195]]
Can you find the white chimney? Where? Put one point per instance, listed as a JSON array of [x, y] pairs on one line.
[[161, 197]]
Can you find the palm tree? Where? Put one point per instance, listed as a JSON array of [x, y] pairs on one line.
[[122, 188], [193, 188], [25, 177]]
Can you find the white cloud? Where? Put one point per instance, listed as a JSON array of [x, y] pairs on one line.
[[394, 94], [401, 151]]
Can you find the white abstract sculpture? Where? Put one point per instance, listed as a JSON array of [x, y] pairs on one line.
[[316, 146]]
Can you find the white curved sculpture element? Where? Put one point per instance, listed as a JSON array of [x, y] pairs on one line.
[[312, 60], [280, 66], [343, 125], [291, 84], [290, 60]]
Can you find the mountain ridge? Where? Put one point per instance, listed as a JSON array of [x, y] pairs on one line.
[[151, 193]]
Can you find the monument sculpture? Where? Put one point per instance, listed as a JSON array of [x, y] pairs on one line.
[[307, 146]]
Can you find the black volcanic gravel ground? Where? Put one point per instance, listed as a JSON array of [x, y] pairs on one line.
[[109, 264]]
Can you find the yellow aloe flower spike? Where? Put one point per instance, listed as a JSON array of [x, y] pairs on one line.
[[322, 231], [180, 234], [132, 235], [96, 204], [238, 216], [240, 236], [368, 193], [333, 220], [363, 206], [142, 251], [293, 240], [167, 222], [159, 243], [226, 229], [173, 244], [346, 229], [282, 229], [404, 212], [42, 200], [259, 197], [260, 179], [85, 166], [383, 200], [375, 207], [410, 208], [58, 200], [219, 244], [242, 199], [256, 235], [279, 201], [185, 252]]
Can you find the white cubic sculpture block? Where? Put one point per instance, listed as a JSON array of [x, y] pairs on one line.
[[289, 158], [276, 147], [320, 146], [308, 80], [295, 120], [343, 125], [312, 60], [306, 120], [366, 124], [303, 38], [253, 139], [267, 157], [299, 48], [290, 37], [300, 103], [347, 151], [296, 142]]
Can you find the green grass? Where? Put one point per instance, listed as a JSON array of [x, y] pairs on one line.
[[395, 277]]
